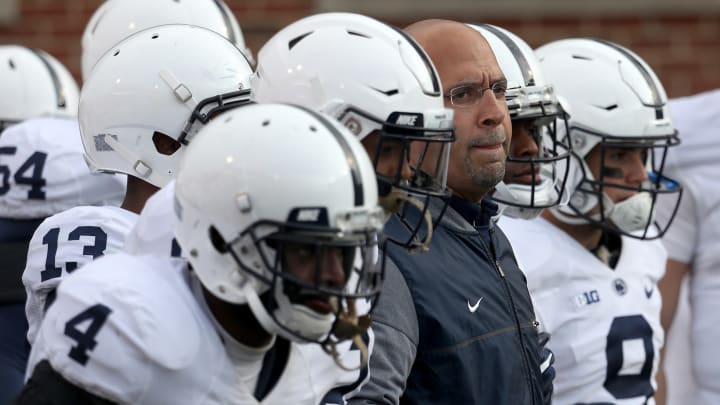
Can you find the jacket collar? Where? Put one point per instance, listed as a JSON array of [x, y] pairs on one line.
[[479, 215]]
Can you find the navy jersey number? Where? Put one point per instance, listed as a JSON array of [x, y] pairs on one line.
[[30, 173], [97, 315], [175, 250], [623, 386], [96, 249]]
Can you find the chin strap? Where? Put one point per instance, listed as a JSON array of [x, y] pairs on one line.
[[348, 326], [584, 203], [259, 312], [392, 203], [141, 169], [567, 218]]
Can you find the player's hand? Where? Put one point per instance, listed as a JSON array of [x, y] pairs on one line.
[[547, 358]]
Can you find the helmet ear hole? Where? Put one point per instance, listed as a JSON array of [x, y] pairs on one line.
[[164, 144], [217, 240]]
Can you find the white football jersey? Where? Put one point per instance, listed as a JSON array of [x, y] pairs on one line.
[[694, 236], [131, 329], [42, 171], [64, 242], [604, 323]]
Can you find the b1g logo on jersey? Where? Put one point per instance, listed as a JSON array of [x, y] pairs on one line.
[[586, 298]]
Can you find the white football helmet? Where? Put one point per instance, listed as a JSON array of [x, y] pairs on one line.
[[371, 77], [239, 208], [34, 84], [115, 20], [616, 101], [188, 75], [529, 98]]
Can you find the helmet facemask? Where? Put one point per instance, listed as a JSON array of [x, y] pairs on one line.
[[299, 298], [633, 216], [208, 108], [410, 158], [546, 184]]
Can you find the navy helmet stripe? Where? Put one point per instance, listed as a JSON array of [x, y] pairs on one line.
[[226, 19], [423, 57], [527, 72], [657, 101], [59, 97], [349, 156]]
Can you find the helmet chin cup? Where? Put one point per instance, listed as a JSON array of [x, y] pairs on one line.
[[298, 323], [632, 214], [627, 217], [299, 319]]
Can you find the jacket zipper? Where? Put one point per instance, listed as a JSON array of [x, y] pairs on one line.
[[498, 268]]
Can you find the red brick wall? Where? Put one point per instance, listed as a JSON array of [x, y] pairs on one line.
[[684, 51]]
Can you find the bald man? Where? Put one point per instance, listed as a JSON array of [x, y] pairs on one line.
[[456, 325]]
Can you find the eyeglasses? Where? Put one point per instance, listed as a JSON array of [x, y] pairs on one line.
[[469, 94]]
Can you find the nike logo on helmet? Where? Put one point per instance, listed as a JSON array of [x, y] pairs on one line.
[[473, 308]]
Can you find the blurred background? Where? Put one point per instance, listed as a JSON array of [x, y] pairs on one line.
[[680, 39]]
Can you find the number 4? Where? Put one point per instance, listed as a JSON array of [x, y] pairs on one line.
[[97, 315]]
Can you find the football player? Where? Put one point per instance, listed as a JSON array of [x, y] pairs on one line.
[[533, 179], [135, 119], [380, 84], [692, 244], [270, 233], [535, 174], [42, 172], [593, 265]]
